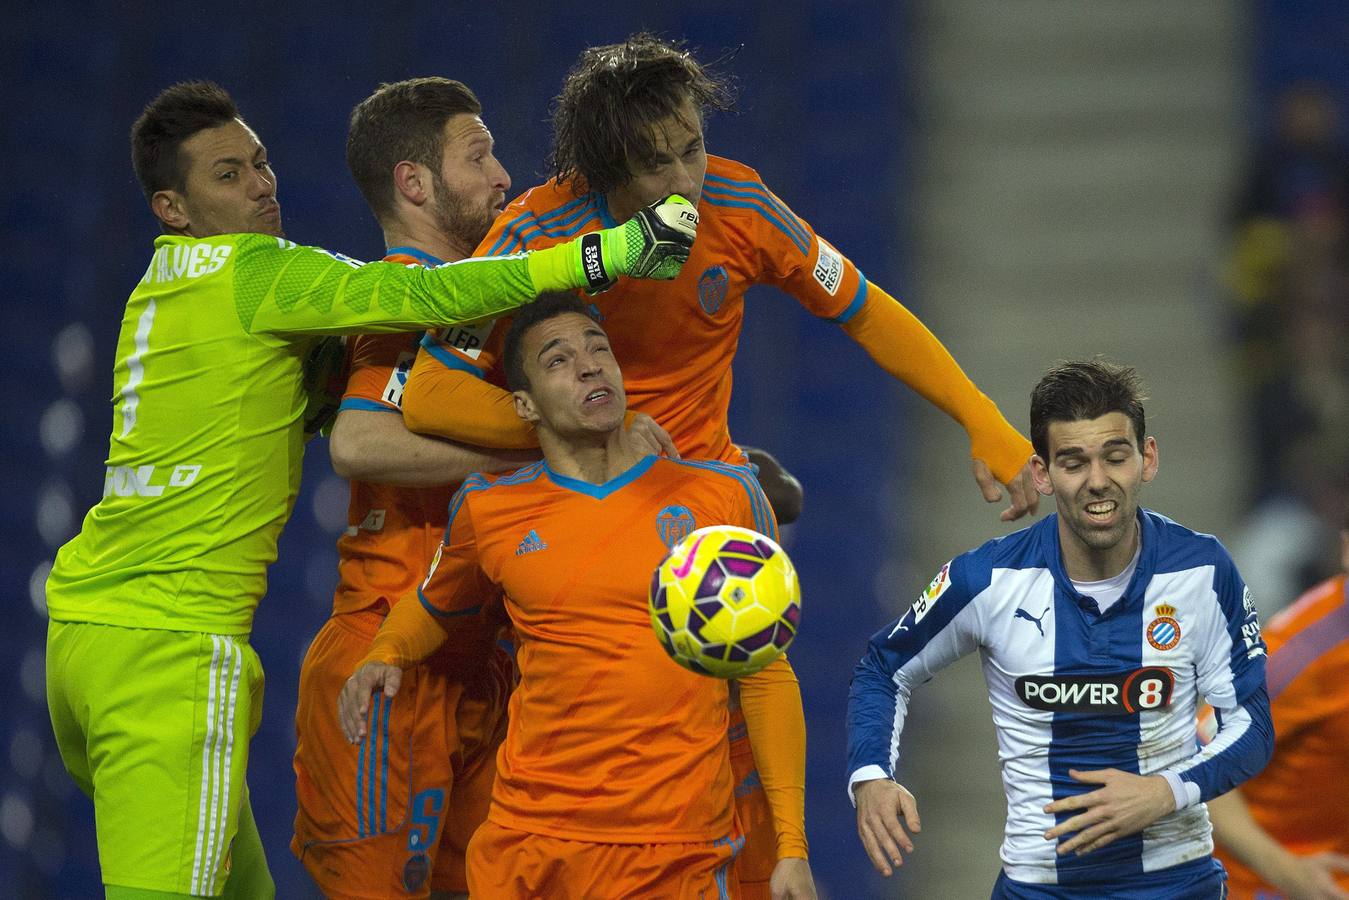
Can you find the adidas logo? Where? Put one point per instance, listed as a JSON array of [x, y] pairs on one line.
[[531, 543]]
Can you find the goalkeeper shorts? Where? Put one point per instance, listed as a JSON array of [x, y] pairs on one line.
[[154, 725]]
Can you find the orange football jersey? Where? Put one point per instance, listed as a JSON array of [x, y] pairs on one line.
[[609, 740], [1301, 796], [676, 339]]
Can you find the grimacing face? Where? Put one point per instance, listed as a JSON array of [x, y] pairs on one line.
[[229, 186], [575, 386], [679, 166], [1096, 471], [471, 184]]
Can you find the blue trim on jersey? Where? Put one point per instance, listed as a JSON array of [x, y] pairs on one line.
[[855, 304], [759, 190], [764, 520], [421, 256], [372, 756], [446, 358], [442, 614], [569, 227], [367, 405], [521, 228], [600, 491], [384, 769], [476, 482], [760, 206], [360, 788]]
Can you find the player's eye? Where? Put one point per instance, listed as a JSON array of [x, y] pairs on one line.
[[226, 176]]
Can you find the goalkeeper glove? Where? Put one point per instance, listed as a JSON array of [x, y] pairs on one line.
[[325, 371], [655, 243]]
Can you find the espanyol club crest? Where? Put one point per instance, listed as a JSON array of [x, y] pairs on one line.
[[1164, 631], [712, 286], [673, 524]]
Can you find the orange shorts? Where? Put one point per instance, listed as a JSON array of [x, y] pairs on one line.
[[754, 864], [392, 816], [506, 864]]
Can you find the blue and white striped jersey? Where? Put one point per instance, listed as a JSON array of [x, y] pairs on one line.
[[1073, 688]]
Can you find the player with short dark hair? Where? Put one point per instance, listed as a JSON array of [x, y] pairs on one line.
[[615, 778], [152, 687], [1100, 628]]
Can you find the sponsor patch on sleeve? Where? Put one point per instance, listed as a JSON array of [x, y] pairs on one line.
[[828, 267], [467, 339], [929, 597], [398, 379]]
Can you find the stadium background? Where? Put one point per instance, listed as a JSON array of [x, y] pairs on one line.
[[844, 110]]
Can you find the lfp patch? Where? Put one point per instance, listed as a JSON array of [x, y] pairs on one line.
[[712, 285], [673, 524], [1164, 631]]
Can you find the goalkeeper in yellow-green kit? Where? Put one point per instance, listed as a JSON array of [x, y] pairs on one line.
[[153, 689]]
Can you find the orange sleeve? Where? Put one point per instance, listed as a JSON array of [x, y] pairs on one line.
[[902, 345], [408, 635], [456, 404], [378, 365], [771, 702]]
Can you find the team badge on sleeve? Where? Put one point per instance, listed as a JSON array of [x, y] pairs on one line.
[[398, 379], [1164, 631]]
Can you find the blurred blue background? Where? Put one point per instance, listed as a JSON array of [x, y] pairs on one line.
[[828, 117]]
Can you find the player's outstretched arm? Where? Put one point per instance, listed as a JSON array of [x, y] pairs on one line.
[[376, 446], [1298, 877], [884, 808], [408, 635], [654, 243], [902, 345]]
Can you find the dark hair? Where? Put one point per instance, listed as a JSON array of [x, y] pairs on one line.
[[403, 120], [158, 133], [603, 119], [548, 306], [1087, 389]]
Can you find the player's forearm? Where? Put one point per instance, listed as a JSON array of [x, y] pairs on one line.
[[288, 289], [409, 635], [454, 405], [1240, 750], [1235, 830], [376, 446], [875, 718], [771, 702], [903, 346]]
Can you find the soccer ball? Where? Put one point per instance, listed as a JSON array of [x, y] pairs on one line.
[[725, 601]]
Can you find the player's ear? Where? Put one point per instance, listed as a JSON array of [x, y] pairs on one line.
[[1150, 458], [524, 406], [170, 208], [411, 182], [1039, 475]]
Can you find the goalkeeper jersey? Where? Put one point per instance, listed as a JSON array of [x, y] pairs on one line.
[[204, 458]]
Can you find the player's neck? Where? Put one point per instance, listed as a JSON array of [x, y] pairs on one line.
[[1084, 563], [594, 459], [426, 238]]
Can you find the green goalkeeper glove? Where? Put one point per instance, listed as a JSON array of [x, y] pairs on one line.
[[325, 380], [654, 243]]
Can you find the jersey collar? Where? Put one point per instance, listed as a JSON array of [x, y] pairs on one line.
[[600, 491], [425, 258]]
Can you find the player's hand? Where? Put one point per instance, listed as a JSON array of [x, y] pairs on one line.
[[1125, 804], [325, 380], [654, 243], [1020, 491], [1313, 877], [646, 438], [353, 704], [883, 809], [792, 880]]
